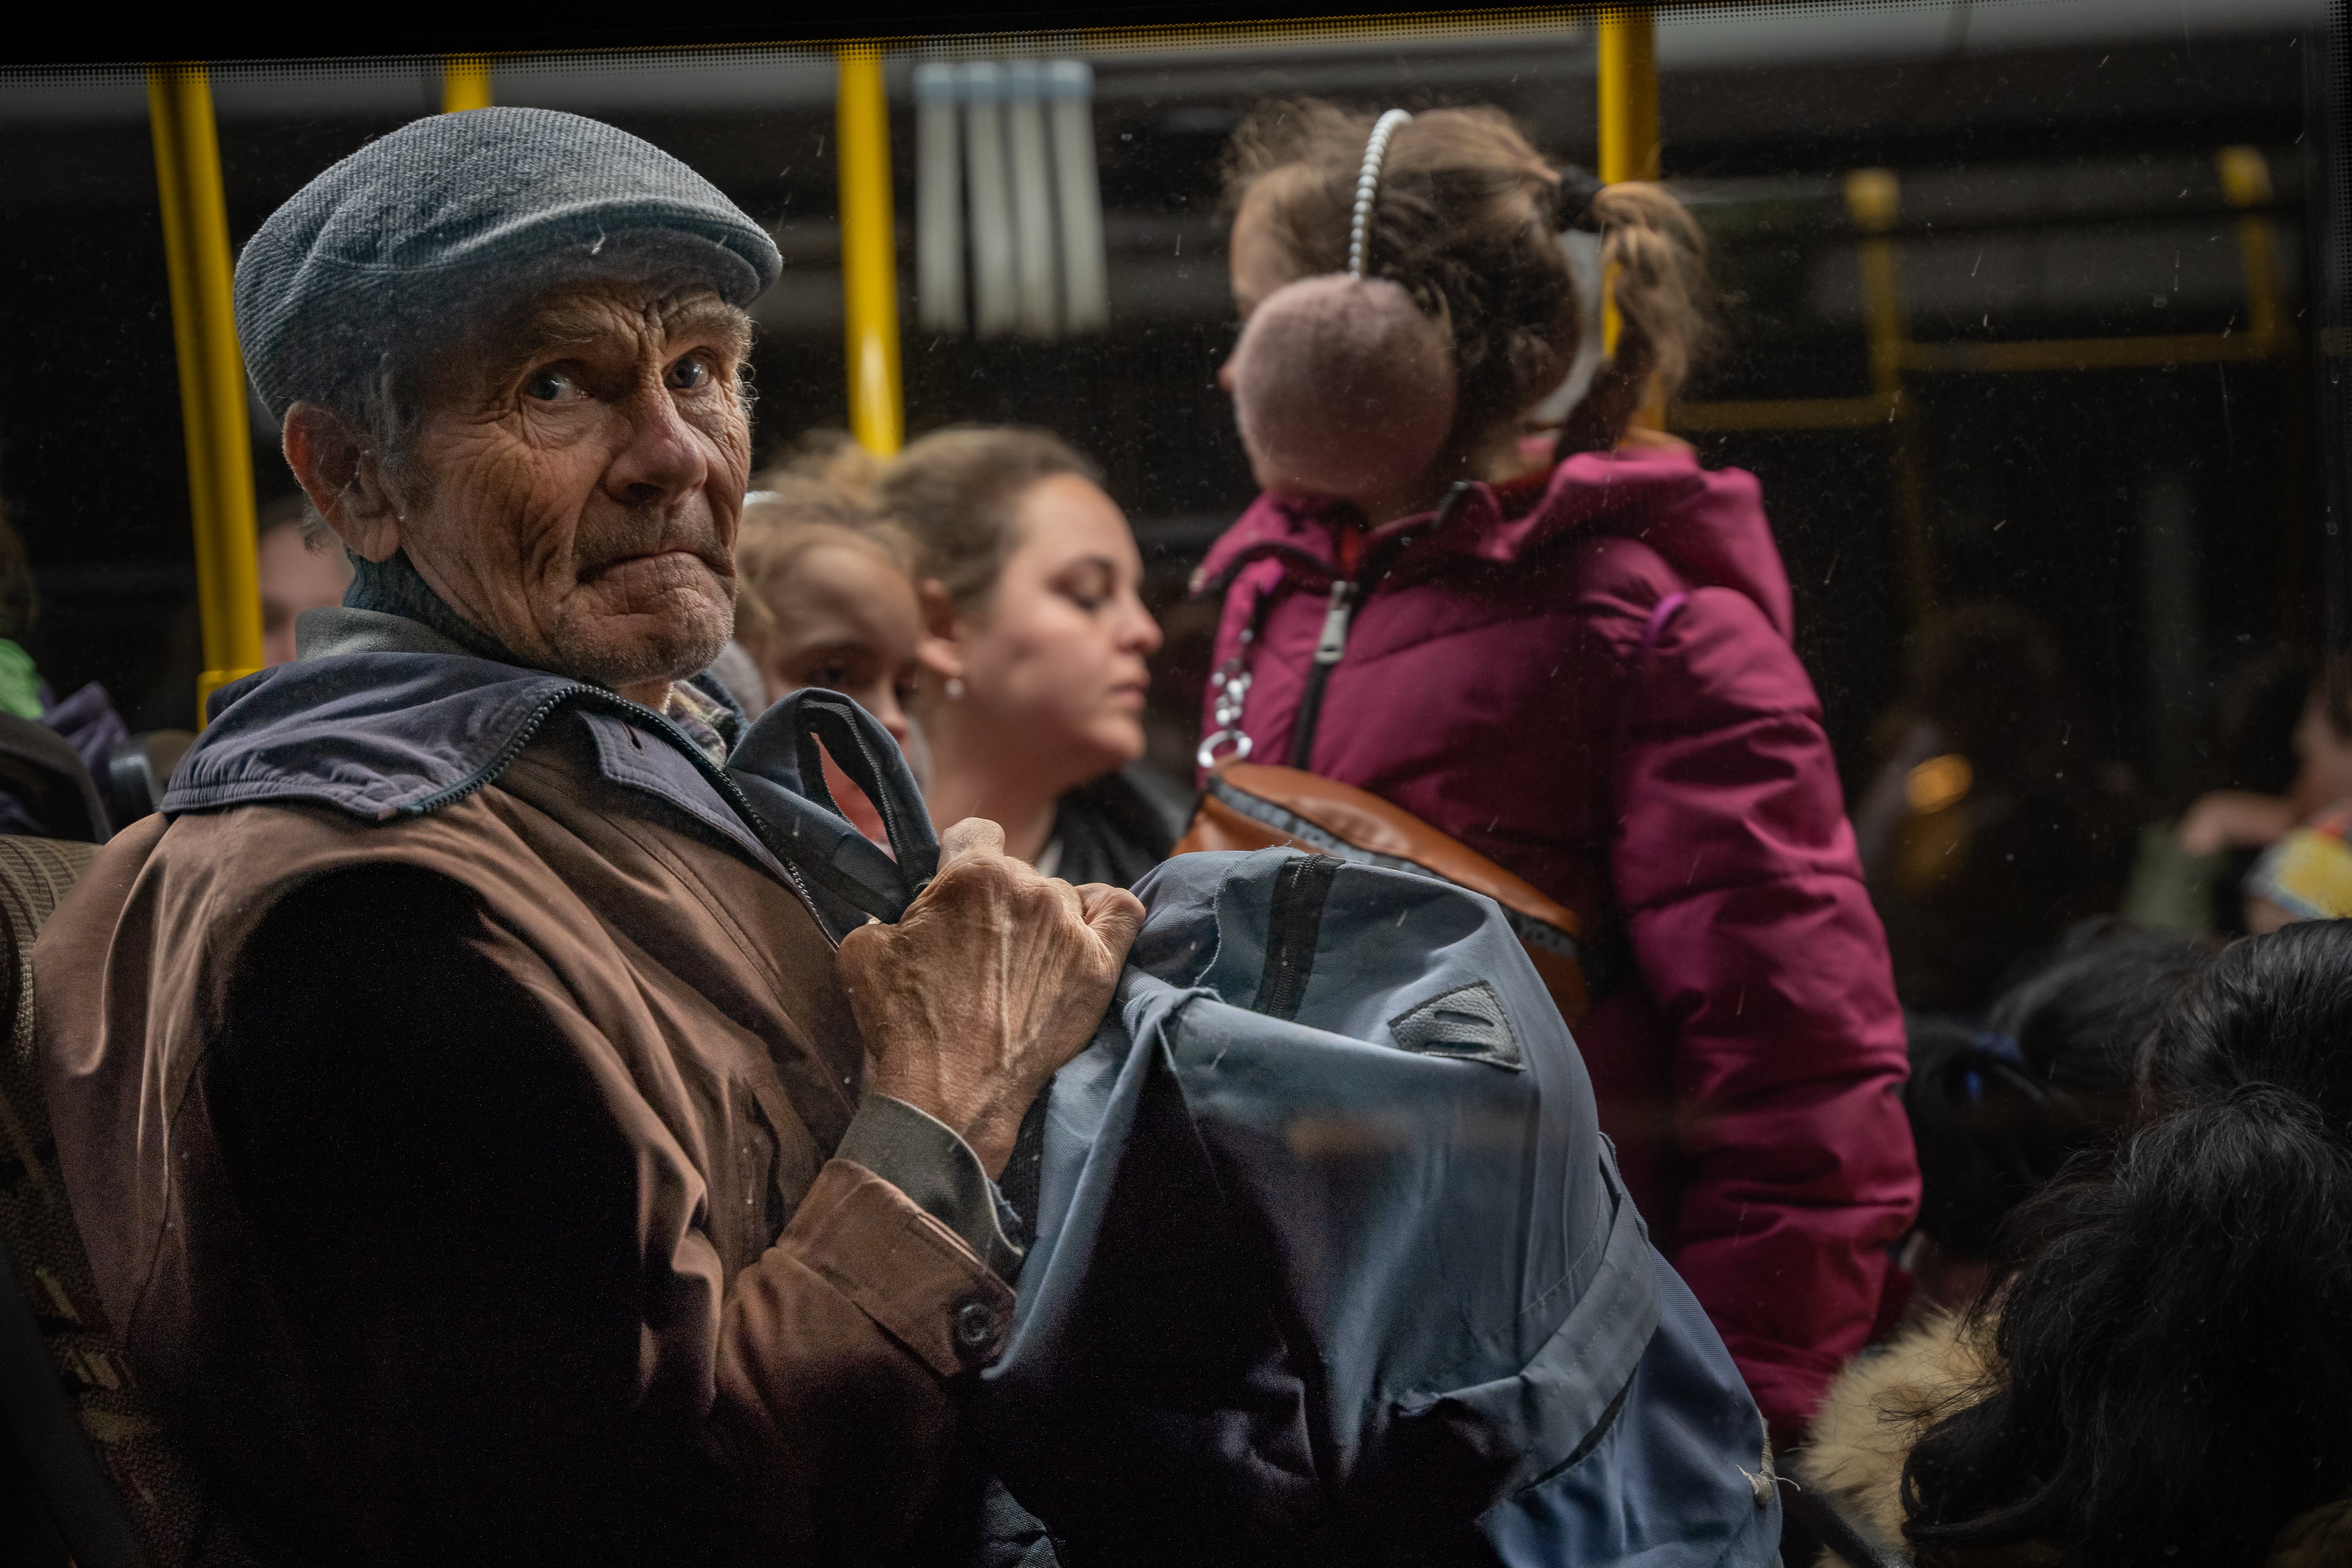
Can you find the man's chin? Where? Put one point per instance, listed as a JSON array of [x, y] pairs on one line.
[[626, 650]]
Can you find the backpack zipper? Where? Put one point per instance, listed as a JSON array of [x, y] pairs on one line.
[[1294, 922]]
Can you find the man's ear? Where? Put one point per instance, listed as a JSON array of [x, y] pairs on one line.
[[940, 648], [340, 474]]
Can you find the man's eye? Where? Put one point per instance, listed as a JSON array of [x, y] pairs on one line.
[[829, 676], [690, 374], [552, 385]]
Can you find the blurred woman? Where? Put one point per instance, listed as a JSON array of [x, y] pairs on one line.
[[1580, 669], [2159, 1372], [1033, 651]]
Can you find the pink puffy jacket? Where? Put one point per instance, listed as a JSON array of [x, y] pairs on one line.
[[1587, 677]]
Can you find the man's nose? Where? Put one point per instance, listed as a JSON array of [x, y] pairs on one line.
[[663, 458], [1226, 375]]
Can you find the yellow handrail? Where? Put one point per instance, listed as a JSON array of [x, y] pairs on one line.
[[212, 372], [869, 253], [1627, 77], [464, 83], [1874, 199]]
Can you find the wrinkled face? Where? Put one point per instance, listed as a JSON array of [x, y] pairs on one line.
[[845, 620], [1055, 659], [578, 477]]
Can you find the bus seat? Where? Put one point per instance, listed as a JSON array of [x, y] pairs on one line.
[[140, 769], [88, 1442], [41, 767]]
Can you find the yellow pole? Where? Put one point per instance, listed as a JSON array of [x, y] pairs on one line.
[[1875, 199], [869, 253], [1629, 94], [2246, 183], [1628, 82], [464, 83], [212, 371]]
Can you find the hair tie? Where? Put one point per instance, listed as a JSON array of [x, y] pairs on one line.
[[1577, 187], [2001, 1047], [1368, 185]]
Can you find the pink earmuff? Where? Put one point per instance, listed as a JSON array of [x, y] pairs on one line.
[[1341, 386]]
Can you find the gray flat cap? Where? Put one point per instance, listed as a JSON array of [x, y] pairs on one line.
[[406, 227]]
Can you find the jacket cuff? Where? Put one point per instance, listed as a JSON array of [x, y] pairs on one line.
[[901, 1267], [922, 1157]]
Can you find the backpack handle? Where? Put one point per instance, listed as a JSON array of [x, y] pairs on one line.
[[829, 719], [780, 767]]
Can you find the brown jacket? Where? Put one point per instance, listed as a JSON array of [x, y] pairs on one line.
[[465, 1186]]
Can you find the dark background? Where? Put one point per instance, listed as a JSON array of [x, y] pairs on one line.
[[2075, 171]]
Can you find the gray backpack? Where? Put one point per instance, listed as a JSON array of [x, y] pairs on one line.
[[1332, 1263]]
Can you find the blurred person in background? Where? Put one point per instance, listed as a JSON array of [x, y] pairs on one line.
[[302, 568], [1034, 652], [2190, 869], [826, 597], [2155, 1373], [87, 719], [1998, 1110], [2304, 871], [829, 599], [1988, 830], [1578, 667]]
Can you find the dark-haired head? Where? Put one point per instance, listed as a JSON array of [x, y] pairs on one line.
[[2173, 1322], [1998, 1110]]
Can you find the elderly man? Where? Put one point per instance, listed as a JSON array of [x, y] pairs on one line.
[[480, 1144]]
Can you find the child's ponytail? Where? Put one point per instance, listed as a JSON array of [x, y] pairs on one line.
[[1656, 253]]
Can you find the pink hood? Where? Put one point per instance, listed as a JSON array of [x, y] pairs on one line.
[[1708, 523]]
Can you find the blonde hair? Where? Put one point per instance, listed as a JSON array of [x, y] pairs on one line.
[[1469, 221], [831, 458], [956, 491], [791, 514]]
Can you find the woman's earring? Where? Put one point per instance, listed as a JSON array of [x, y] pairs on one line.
[[955, 687]]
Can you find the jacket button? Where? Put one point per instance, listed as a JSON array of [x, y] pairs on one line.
[[976, 1327]]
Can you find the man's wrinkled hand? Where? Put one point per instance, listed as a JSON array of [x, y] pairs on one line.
[[992, 979]]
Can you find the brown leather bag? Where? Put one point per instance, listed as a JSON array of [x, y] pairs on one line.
[[1255, 805]]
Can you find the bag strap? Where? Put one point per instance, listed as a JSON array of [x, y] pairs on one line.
[[779, 769], [825, 720]]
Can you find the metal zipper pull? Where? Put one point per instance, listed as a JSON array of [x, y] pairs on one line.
[[1334, 641]]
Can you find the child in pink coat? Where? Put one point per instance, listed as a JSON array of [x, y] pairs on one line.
[[1581, 669]]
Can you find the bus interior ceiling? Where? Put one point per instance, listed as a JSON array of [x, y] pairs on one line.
[[2158, 518]]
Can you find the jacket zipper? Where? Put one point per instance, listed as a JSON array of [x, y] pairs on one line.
[[1346, 592]]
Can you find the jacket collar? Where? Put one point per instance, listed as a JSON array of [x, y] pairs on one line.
[[385, 719], [1709, 525]]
